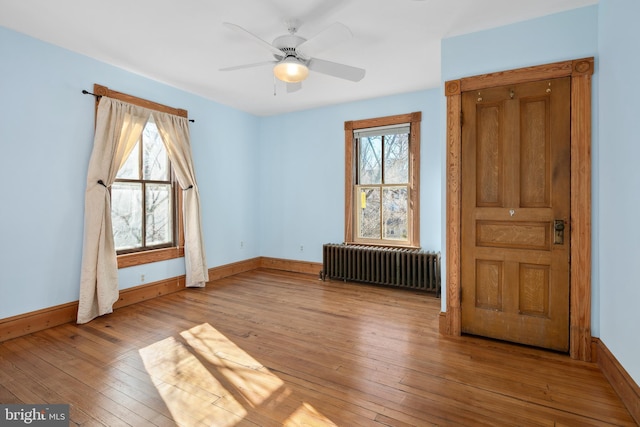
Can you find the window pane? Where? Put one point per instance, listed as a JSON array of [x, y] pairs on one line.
[[396, 159], [158, 214], [369, 221], [370, 161], [126, 215], [155, 165], [131, 167], [394, 213]]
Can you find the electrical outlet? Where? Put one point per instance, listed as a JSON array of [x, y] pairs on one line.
[[241, 244], [142, 278], [301, 248]]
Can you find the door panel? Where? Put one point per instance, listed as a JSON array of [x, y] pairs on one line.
[[515, 183]]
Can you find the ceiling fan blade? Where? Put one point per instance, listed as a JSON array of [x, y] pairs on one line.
[[255, 64], [334, 69], [329, 37], [264, 44], [294, 87]]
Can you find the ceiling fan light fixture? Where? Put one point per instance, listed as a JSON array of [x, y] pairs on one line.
[[291, 70]]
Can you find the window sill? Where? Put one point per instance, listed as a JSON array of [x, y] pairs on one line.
[[384, 244], [146, 257]]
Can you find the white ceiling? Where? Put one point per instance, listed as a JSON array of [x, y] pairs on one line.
[[184, 44]]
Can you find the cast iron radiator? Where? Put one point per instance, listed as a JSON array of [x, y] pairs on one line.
[[404, 268]]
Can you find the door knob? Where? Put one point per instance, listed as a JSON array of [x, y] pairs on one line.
[[558, 235]]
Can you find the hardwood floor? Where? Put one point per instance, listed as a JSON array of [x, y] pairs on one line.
[[268, 348]]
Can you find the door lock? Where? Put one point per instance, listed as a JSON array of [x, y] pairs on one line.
[[558, 235]]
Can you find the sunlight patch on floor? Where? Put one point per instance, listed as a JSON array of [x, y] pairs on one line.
[[187, 387], [306, 415], [207, 379], [248, 377]]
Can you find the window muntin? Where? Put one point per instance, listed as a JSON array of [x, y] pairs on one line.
[[143, 199]]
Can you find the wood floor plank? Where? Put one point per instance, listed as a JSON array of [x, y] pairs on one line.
[[140, 389], [7, 396], [272, 348]]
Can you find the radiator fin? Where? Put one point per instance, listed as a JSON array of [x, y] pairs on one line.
[[403, 268]]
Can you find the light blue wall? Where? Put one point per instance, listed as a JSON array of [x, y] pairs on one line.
[[268, 185], [619, 181], [40, 150], [558, 37], [302, 170], [46, 136]]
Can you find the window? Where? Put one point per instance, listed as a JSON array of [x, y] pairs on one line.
[[382, 161], [146, 200], [143, 199]]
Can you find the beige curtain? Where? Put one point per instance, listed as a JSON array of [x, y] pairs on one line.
[[174, 131], [118, 127]]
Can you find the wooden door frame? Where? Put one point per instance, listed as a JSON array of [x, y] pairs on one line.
[[580, 71]]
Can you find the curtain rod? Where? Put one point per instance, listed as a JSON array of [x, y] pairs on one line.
[[86, 92]]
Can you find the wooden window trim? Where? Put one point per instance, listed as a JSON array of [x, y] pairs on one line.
[[100, 90], [146, 257], [152, 255], [414, 166]]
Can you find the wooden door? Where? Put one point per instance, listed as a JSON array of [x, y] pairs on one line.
[[515, 212]]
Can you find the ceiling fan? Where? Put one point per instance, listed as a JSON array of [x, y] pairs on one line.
[[295, 56]]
